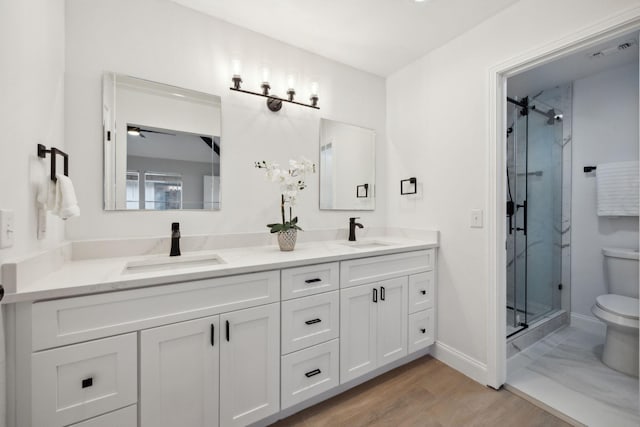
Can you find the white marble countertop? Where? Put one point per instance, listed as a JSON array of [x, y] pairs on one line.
[[87, 276]]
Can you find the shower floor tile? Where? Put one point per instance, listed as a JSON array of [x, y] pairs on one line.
[[564, 372]]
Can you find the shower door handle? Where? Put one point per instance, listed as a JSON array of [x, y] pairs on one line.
[[524, 228]]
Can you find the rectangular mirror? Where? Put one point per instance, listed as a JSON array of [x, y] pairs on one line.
[[161, 146], [347, 166]]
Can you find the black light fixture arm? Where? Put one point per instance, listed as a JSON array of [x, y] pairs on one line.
[[291, 101]]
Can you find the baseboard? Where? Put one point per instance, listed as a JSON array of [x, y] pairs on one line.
[[461, 362], [588, 324]]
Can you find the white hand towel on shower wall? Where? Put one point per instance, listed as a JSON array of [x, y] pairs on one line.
[[617, 189]]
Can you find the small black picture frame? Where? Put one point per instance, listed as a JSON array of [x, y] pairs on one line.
[[362, 191], [406, 186]]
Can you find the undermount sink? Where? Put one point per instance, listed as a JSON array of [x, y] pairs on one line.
[[163, 263], [366, 244]]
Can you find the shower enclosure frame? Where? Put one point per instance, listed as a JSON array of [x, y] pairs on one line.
[[494, 372]]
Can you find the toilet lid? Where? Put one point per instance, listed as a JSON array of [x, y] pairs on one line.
[[618, 304]]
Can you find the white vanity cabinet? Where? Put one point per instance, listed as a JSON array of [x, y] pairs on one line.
[[373, 326], [219, 352], [250, 365], [179, 374], [374, 310]]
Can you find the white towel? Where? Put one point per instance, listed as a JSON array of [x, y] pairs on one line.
[[66, 202], [618, 185]]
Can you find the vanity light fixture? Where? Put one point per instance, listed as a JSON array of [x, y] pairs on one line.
[[274, 102]]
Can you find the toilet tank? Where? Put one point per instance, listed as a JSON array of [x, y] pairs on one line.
[[621, 271]]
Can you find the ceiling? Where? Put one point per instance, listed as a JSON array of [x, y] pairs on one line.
[[378, 36], [574, 67]]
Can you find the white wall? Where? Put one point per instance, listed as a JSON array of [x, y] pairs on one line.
[[161, 41], [437, 124], [605, 129], [31, 112]]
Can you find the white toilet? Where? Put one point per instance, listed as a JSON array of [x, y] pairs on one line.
[[619, 310]]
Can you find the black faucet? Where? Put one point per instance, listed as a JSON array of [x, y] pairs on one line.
[[352, 228], [175, 239]]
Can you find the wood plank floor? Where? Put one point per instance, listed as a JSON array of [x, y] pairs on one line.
[[425, 392]]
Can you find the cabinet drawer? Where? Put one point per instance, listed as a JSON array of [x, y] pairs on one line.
[[125, 417], [310, 320], [421, 291], [367, 270], [77, 382], [421, 330], [71, 320], [309, 372], [309, 280]]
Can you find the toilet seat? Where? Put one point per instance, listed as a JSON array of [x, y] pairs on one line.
[[617, 310], [619, 305]]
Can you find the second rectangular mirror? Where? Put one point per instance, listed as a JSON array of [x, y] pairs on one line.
[[161, 146], [347, 166]]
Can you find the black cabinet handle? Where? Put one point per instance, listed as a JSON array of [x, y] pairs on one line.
[[312, 373], [87, 382], [375, 295], [213, 334], [382, 291], [312, 321], [227, 330], [423, 292], [423, 330], [313, 280]]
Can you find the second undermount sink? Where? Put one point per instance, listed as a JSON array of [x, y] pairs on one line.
[[366, 244], [164, 263]]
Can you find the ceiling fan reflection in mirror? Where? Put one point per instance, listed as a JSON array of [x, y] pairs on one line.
[[138, 131]]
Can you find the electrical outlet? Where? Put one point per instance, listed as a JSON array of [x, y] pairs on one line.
[[7, 229], [476, 218]]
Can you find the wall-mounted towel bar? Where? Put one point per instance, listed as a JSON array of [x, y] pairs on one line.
[[588, 169], [42, 152], [408, 186]]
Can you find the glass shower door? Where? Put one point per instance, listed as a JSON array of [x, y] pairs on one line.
[[544, 206], [516, 202]]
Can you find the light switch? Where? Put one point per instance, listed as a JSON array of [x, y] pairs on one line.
[[476, 218], [7, 230]]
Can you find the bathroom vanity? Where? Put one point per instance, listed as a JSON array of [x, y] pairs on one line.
[[252, 338]]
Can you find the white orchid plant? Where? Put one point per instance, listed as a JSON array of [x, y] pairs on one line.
[[291, 180]]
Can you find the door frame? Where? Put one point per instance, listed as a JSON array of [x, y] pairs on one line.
[[617, 25]]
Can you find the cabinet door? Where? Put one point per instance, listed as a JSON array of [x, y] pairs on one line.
[[250, 365], [179, 374], [392, 320], [358, 331]]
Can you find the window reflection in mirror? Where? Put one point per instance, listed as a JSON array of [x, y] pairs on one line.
[[162, 146], [347, 166]]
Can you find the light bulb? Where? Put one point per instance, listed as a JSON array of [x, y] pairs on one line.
[[265, 74], [314, 88], [236, 65], [291, 80]]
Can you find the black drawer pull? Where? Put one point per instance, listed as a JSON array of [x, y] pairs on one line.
[[375, 294], [382, 292], [313, 280], [87, 382], [312, 321], [312, 373], [423, 292], [423, 330], [213, 334], [227, 330]]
